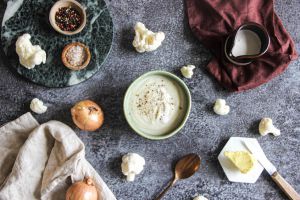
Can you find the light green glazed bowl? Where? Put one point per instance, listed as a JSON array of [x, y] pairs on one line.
[[187, 102]]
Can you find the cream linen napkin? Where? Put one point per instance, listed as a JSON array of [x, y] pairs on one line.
[[38, 161]]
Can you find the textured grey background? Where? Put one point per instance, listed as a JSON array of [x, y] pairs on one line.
[[205, 133]]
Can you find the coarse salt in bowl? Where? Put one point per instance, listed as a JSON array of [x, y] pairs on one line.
[[76, 56]]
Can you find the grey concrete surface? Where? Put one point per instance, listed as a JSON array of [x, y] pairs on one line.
[[205, 133]]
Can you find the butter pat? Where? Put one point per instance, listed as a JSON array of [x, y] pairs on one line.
[[187, 71], [243, 160], [29, 55], [146, 40]]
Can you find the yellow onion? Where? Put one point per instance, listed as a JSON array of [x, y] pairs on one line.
[[87, 115], [82, 190]]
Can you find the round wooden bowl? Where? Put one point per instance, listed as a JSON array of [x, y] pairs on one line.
[[64, 57]]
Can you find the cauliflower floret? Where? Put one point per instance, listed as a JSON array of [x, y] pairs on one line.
[[200, 197], [132, 164], [220, 107], [38, 106], [187, 71], [146, 40], [29, 55], [266, 126]]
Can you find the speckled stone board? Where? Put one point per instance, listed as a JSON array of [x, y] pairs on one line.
[[33, 17], [204, 133]]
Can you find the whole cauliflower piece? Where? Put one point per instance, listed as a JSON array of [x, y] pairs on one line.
[[187, 71], [132, 164], [220, 107], [266, 126], [146, 40], [200, 197], [29, 55], [38, 106]]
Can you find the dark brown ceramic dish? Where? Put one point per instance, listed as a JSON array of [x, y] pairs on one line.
[[247, 59]]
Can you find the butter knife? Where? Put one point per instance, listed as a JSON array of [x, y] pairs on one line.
[[259, 154]]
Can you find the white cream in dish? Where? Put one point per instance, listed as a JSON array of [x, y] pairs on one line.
[[246, 43], [157, 105]]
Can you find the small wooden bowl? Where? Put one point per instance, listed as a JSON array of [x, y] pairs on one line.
[[67, 3], [64, 57]]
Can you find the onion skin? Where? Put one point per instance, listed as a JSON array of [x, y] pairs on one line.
[[82, 190], [87, 115]]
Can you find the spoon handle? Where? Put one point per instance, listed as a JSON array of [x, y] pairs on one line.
[[166, 189]]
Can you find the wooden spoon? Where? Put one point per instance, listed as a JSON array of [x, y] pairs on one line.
[[185, 167]]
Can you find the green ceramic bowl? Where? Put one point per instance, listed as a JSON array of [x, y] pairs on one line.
[[178, 123]]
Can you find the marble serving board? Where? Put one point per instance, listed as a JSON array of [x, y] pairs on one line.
[[32, 16]]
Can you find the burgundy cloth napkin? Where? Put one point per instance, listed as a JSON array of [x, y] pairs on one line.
[[212, 21]]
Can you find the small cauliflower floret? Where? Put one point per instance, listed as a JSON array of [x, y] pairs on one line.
[[187, 71], [266, 126], [146, 40], [132, 164], [29, 55], [200, 197], [38, 106], [220, 107]]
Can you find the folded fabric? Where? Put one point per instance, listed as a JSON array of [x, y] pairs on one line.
[[212, 21], [41, 161]]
